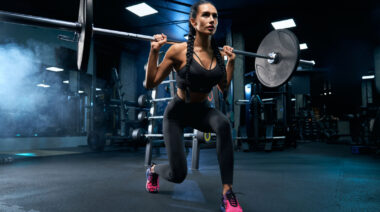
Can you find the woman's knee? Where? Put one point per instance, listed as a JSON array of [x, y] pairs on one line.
[[222, 125], [178, 175]]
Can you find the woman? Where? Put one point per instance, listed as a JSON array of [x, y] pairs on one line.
[[199, 65]]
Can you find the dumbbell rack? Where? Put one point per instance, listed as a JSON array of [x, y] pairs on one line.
[[152, 111], [123, 107], [96, 140]]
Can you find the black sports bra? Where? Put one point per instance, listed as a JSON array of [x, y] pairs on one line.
[[200, 79]]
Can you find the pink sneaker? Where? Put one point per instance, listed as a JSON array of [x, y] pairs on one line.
[[230, 203], [151, 182]]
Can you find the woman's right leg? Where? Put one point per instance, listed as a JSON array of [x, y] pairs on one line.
[[176, 170]]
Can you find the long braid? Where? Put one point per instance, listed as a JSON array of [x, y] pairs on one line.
[[189, 58], [220, 61]]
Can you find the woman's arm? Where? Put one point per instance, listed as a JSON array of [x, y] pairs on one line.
[[227, 50], [155, 74], [230, 70]]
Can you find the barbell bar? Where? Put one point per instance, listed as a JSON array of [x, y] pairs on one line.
[[280, 48], [39, 21], [246, 101], [135, 36]]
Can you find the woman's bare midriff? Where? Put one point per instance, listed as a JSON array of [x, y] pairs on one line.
[[194, 96]]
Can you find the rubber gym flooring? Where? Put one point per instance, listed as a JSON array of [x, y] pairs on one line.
[[313, 177]]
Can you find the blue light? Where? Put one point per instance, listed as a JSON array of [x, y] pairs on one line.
[[27, 154], [247, 88], [36, 134], [18, 134]]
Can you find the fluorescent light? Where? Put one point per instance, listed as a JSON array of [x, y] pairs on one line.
[[43, 85], [293, 99], [80, 91], [55, 69], [66, 81], [284, 24], [303, 46], [27, 154], [368, 77], [141, 9], [98, 89]]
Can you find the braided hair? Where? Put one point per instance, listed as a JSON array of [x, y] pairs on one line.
[[190, 51]]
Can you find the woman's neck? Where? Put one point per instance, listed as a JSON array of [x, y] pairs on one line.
[[202, 42]]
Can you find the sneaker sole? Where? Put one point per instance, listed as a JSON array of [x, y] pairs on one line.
[[150, 191], [146, 173]]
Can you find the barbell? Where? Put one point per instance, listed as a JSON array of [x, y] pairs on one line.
[[277, 57]]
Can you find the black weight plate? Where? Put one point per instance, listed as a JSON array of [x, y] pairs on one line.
[[85, 18], [142, 100], [284, 43], [142, 116], [138, 134]]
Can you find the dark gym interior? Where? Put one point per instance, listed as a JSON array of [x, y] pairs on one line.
[[81, 138]]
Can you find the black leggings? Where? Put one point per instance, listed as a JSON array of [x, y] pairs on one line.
[[200, 116]]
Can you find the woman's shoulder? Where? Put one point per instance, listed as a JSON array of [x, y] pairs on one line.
[[177, 53], [178, 47], [177, 50]]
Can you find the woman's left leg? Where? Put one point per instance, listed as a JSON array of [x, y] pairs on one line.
[[212, 120]]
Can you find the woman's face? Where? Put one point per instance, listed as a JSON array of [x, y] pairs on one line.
[[206, 20]]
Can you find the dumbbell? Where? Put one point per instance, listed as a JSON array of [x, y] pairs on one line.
[[143, 116], [143, 100]]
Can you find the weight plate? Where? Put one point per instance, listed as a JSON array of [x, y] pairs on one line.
[[284, 43]]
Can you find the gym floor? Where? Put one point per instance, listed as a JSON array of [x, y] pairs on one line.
[[313, 177]]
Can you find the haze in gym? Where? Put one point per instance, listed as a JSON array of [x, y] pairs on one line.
[[79, 129]]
